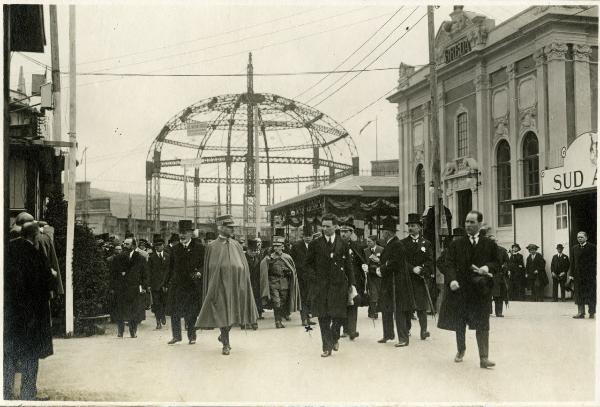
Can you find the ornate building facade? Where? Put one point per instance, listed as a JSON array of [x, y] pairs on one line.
[[512, 98]]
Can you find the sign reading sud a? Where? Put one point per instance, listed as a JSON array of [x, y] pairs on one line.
[[580, 169]]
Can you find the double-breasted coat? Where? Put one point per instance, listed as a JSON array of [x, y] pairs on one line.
[[27, 285], [419, 253], [373, 280], [471, 302], [129, 274], [184, 288], [395, 280], [583, 270], [332, 275]]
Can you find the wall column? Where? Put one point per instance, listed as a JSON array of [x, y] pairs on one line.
[[516, 184], [541, 82], [557, 102], [483, 140], [583, 109]]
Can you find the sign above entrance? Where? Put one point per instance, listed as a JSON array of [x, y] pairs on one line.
[[580, 168]]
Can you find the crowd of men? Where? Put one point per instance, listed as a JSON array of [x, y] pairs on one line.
[[219, 283]]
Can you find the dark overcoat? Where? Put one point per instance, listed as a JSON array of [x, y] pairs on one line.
[[531, 266], [583, 270], [357, 259], [27, 285], [560, 265], [184, 289], [128, 276], [516, 267], [395, 280], [299, 253], [158, 270], [419, 254], [332, 275], [500, 288], [471, 302], [373, 280]]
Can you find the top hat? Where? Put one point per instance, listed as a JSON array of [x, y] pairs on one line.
[[278, 240], [23, 217], [252, 244], [516, 245], [185, 225], [414, 218], [389, 223], [210, 236], [560, 246], [225, 220], [458, 232], [532, 246]]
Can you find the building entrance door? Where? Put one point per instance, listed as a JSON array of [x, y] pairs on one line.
[[583, 217], [465, 204]]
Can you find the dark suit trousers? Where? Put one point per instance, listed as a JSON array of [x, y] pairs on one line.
[[483, 339], [349, 323], [401, 325], [422, 316], [498, 305], [330, 331], [132, 327], [190, 322], [29, 371], [555, 283]]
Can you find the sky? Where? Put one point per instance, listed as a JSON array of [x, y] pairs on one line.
[[118, 118]]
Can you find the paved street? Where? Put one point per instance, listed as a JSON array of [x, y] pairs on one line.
[[542, 354]]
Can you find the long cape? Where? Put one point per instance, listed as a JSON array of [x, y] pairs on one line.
[[228, 298], [294, 300]]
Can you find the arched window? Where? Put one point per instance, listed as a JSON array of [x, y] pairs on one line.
[[420, 175], [503, 184], [462, 136], [531, 165]]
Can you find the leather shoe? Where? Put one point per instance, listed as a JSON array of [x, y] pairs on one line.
[[354, 336], [164, 321], [192, 341], [343, 335], [226, 350], [278, 325], [459, 357], [401, 344], [311, 322], [173, 341], [500, 316], [579, 316], [288, 318], [592, 316], [384, 340], [254, 327], [425, 335], [485, 363], [336, 346], [326, 354]]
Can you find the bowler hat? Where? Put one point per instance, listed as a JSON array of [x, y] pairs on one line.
[[225, 220], [389, 223], [158, 240], [532, 246], [414, 218], [185, 225], [560, 246], [516, 245]]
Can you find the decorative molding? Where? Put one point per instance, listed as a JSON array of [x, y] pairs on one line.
[[528, 118], [582, 52], [419, 156], [501, 126], [556, 51], [510, 71], [481, 82], [539, 56], [402, 117]]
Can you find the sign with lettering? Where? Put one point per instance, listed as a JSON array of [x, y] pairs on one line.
[[580, 169], [457, 50]]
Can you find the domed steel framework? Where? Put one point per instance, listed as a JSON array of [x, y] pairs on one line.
[[228, 128]]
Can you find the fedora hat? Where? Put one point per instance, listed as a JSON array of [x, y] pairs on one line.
[[516, 245], [532, 246]]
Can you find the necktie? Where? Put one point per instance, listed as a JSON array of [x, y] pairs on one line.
[[472, 240]]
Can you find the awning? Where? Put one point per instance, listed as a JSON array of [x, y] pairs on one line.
[[540, 199]]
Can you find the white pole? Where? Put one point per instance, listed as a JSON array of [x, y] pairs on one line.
[[56, 112], [376, 143], [69, 323], [184, 191], [257, 209]]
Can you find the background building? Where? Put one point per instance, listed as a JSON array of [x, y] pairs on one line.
[[512, 100]]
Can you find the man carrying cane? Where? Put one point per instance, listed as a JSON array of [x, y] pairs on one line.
[[397, 300]]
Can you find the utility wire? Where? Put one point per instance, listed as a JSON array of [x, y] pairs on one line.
[[371, 63], [196, 39], [365, 57], [352, 54], [170, 56]]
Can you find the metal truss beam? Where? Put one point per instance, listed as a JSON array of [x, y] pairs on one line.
[[216, 180], [263, 159]]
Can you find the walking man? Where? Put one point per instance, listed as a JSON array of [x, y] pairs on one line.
[[356, 259], [583, 273], [559, 267], [184, 283], [299, 253], [419, 255], [283, 283], [227, 290], [260, 283], [397, 301], [535, 272], [158, 270], [470, 263], [372, 254], [329, 264]]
